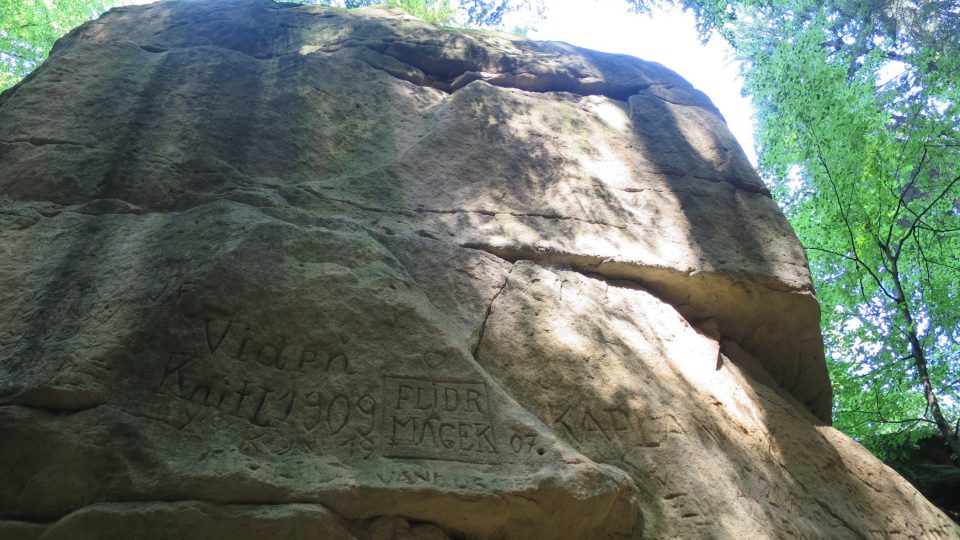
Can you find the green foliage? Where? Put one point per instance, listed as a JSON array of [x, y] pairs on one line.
[[488, 14], [858, 116], [434, 11], [28, 29], [859, 136]]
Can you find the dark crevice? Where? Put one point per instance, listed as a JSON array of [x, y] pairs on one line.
[[486, 315], [603, 268], [368, 208], [43, 141], [135, 502], [53, 411], [517, 79], [582, 264], [493, 213], [411, 212]]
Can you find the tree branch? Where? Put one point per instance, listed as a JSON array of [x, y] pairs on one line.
[[923, 212], [883, 420], [923, 256], [849, 228], [901, 203], [934, 230]]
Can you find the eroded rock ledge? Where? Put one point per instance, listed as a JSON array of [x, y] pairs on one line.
[[273, 270]]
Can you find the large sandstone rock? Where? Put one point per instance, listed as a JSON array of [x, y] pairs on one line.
[[298, 272]]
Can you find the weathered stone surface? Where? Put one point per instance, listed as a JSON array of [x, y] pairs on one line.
[[302, 272]]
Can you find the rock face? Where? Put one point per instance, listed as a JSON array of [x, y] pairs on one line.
[[299, 272]]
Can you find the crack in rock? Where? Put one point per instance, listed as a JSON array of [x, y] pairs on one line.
[[690, 295], [486, 316]]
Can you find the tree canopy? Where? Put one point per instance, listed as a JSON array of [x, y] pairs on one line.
[[28, 29], [859, 137], [858, 115], [470, 13]]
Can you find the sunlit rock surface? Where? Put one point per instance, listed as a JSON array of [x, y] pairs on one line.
[[295, 272]]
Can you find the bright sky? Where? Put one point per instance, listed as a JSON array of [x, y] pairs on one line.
[[668, 37]]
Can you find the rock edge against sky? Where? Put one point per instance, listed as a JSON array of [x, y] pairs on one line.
[[296, 270]]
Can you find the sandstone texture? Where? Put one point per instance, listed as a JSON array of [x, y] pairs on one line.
[[272, 271]]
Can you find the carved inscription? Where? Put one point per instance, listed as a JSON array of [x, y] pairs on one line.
[[290, 396], [432, 478], [435, 419], [583, 422], [606, 432], [524, 443], [279, 352], [455, 477], [323, 414]]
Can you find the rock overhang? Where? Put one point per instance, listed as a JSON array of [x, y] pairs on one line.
[[677, 146], [678, 174], [354, 265]]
